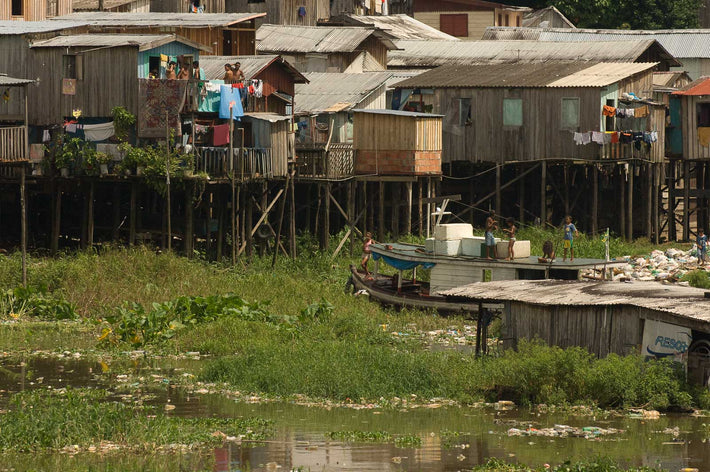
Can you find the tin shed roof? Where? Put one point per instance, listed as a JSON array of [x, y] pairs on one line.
[[316, 39], [250, 65], [700, 86], [333, 92], [681, 43], [6, 81], [155, 19], [10, 27], [526, 75], [398, 26], [437, 53], [144, 42]]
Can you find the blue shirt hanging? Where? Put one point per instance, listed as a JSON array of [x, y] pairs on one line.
[[228, 95]]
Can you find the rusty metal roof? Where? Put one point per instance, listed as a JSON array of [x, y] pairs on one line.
[[250, 65], [700, 86], [158, 19], [334, 92], [526, 75], [315, 39], [144, 42], [681, 43], [398, 26], [438, 53]]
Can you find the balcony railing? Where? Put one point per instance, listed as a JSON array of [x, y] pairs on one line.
[[12, 144], [625, 151], [249, 162], [316, 162]]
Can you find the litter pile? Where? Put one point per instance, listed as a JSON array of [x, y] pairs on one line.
[[564, 431], [669, 266]]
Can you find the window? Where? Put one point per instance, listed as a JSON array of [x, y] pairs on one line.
[[500, 19], [703, 110], [455, 25], [512, 112], [464, 111], [17, 8], [517, 20], [507, 20], [570, 113]]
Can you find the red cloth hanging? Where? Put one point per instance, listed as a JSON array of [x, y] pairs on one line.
[[220, 135]]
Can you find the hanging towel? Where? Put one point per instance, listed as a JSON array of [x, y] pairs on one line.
[[641, 112], [70, 128], [230, 95], [586, 137], [45, 136], [704, 136], [614, 137], [598, 137], [259, 89], [621, 112], [220, 135], [630, 112], [100, 132], [609, 111], [625, 138], [577, 137], [607, 138]]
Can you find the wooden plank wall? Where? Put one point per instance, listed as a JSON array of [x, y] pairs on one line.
[[689, 119], [283, 12], [14, 62], [274, 136], [540, 136], [375, 47], [182, 6], [429, 134], [383, 132]]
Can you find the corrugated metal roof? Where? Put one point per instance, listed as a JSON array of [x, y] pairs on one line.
[[398, 26], [691, 43], [142, 41], [9, 27], [668, 79], [700, 86], [6, 81], [315, 39], [526, 75], [327, 90], [250, 65], [411, 114], [436, 53], [549, 15], [142, 20], [270, 117], [89, 5]]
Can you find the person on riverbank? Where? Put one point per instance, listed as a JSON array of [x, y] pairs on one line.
[[491, 226], [510, 231], [366, 252], [702, 242], [570, 232]]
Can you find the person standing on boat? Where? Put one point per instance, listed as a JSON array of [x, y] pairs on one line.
[[510, 231], [569, 238], [491, 226], [366, 252]]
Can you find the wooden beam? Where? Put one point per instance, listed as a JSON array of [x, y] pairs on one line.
[[90, 217], [348, 233], [381, 211], [189, 222], [395, 205], [686, 201], [281, 220], [116, 207], [622, 203], [57, 221], [408, 208], [499, 196], [420, 207], [132, 215], [543, 193], [23, 223], [264, 214], [630, 203], [327, 188], [595, 199]]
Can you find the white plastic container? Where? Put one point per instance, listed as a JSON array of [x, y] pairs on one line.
[[521, 249], [447, 248], [429, 245], [453, 231], [472, 246]]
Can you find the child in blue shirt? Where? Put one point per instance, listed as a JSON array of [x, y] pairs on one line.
[[702, 243], [570, 232]]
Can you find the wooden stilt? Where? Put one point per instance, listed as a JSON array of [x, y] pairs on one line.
[[281, 219], [90, 217], [351, 213], [648, 199], [23, 225], [543, 193], [566, 182], [292, 218], [408, 208], [116, 207], [595, 199], [317, 224], [420, 207], [499, 197], [672, 177], [208, 217], [325, 239], [84, 218], [395, 205], [189, 221], [381, 211], [132, 215], [622, 202], [471, 199], [57, 219], [656, 210], [309, 200], [219, 203], [521, 200], [630, 203], [363, 198], [248, 224], [686, 201]]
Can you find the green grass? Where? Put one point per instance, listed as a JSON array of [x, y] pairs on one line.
[[407, 440], [595, 465], [42, 420]]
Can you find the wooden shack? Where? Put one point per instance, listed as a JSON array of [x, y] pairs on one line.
[[14, 142], [94, 73], [222, 33], [33, 10], [123, 6], [391, 142], [278, 77], [602, 317], [327, 48], [694, 100], [285, 12]]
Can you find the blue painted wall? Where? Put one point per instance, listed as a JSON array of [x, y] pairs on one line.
[[173, 50]]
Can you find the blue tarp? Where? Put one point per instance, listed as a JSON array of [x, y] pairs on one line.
[[227, 95], [400, 264]]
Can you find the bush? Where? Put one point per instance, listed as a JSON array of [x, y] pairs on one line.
[[37, 303]]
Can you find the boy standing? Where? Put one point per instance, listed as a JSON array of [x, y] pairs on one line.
[[570, 229], [366, 252], [702, 242], [491, 226]]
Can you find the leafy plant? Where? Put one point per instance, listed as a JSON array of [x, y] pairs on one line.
[[123, 122], [70, 153], [133, 157], [25, 301]]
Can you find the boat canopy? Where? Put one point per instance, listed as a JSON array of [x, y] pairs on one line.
[[401, 264]]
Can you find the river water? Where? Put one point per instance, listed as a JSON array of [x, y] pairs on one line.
[[452, 438]]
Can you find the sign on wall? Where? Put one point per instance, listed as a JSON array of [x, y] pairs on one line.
[[666, 340]]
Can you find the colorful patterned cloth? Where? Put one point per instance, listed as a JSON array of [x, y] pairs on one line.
[[160, 97]]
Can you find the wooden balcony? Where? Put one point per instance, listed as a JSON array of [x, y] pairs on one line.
[[13, 145], [316, 162], [248, 162], [616, 151]]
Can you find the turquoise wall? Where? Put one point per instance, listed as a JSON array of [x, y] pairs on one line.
[[173, 50]]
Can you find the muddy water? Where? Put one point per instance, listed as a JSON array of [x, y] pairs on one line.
[[301, 441]]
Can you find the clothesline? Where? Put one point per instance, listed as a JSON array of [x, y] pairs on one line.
[[611, 137], [640, 112]]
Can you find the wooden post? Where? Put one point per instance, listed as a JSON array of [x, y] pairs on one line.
[[247, 226], [325, 241], [656, 211], [281, 219], [292, 218], [543, 193], [208, 218], [23, 223], [565, 180], [233, 187], [630, 203], [57, 219], [90, 217], [499, 197], [595, 199], [309, 199], [351, 214], [395, 205], [116, 206], [133, 216], [189, 222], [649, 200], [622, 203], [672, 232], [420, 209], [220, 225], [408, 208], [167, 181], [381, 211], [686, 201], [521, 200], [84, 230]]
